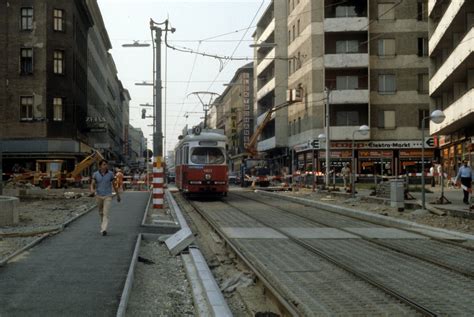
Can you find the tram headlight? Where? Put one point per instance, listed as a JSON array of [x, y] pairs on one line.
[[207, 176]]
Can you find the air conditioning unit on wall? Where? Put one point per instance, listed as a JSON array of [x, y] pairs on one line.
[[294, 95]]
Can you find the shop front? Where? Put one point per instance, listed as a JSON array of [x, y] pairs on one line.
[[375, 162], [454, 149], [339, 158], [410, 161]]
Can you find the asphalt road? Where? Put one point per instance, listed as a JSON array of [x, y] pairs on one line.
[[77, 272]]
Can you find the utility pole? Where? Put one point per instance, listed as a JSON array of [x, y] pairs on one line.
[[328, 137], [158, 171], [1, 168]]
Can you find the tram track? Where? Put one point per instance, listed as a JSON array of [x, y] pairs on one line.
[[403, 248], [292, 306], [427, 298], [417, 306]]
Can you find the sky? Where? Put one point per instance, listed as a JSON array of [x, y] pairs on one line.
[[230, 24]]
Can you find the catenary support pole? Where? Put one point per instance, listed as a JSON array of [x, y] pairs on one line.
[[158, 175], [328, 139]]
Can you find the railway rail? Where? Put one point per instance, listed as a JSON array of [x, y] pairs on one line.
[[407, 272]]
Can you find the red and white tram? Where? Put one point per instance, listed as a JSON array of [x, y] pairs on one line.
[[201, 164]]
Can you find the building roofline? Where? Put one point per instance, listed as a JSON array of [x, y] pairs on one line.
[[99, 21]]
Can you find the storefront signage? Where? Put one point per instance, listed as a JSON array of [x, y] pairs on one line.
[[375, 154], [415, 153], [429, 143], [336, 154], [233, 127], [246, 113]]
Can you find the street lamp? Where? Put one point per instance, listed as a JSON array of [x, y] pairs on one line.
[[144, 83], [322, 138], [437, 117], [364, 130], [136, 44], [263, 45]]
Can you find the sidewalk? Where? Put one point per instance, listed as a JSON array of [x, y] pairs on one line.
[[77, 272], [454, 195]]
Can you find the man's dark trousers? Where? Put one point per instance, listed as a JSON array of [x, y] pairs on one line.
[[466, 181]]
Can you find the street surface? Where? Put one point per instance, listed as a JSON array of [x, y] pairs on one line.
[[78, 272]]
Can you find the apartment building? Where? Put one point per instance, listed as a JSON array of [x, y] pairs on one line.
[[367, 62], [233, 112], [45, 92], [271, 81], [451, 49]]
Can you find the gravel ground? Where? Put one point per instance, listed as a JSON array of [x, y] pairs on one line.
[[40, 215], [446, 222], [160, 288]]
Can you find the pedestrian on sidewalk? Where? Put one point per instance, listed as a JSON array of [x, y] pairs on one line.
[[465, 174], [346, 173], [119, 179], [101, 186]]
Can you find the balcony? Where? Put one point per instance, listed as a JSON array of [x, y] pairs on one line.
[[454, 63], [267, 32], [349, 96], [267, 144], [266, 89], [354, 60], [444, 24], [268, 59], [431, 6], [350, 24], [345, 133], [459, 114]]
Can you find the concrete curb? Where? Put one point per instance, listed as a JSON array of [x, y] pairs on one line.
[[364, 215], [60, 228], [127, 289], [207, 291], [158, 226]]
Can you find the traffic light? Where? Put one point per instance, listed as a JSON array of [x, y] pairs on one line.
[[143, 113]]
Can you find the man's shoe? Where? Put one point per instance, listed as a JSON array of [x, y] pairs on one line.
[[104, 233]]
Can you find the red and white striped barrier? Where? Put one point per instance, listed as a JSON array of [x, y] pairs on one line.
[[158, 179]]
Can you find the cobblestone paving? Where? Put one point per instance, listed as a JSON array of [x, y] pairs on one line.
[[314, 284], [450, 255], [440, 290], [329, 218], [453, 256]]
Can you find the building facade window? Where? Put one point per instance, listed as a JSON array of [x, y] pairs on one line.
[[58, 109], [26, 108], [298, 27], [26, 22], [423, 82], [386, 47], [386, 11], [294, 33], [423, 113], [289, 128], [294, 126], [347, 82], [421, 14], [58, 62], [347, 118], [58, 20], [386, 119], [26, 61], [347, 46], [345, 11], [299, 124], [422, 46], [387, 84]]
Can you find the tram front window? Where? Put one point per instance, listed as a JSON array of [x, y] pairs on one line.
[[207, 155]]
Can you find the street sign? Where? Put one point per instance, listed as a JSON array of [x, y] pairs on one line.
[[315, 144], [429, 142]]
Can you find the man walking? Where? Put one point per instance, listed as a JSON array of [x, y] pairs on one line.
[[101, 185], [346, 173], [465, 174]]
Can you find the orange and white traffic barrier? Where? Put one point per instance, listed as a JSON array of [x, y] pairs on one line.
[[158, 180]]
